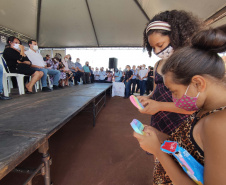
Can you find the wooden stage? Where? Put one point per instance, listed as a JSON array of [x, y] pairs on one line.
[[28, 121]]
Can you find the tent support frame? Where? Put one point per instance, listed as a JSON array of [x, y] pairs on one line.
[[94, 30], [38, 19]]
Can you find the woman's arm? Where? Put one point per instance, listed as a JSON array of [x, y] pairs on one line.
[[150, 143], [24, 62], [152, 107], [22, 50]]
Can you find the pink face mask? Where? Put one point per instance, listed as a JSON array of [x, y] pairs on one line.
[[186, 102]]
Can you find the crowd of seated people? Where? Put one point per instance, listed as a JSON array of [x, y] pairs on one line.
[[61, 70]]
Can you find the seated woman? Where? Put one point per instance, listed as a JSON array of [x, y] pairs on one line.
[[63, 75], [18, 62], [196, 77], [52, 64], [69, 74]]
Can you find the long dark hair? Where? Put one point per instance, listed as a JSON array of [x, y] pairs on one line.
[[201, 58], [183, 26]]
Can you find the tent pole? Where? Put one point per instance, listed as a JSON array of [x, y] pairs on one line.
[[216, 17], [92, 22], [38, 19], [142, 10]]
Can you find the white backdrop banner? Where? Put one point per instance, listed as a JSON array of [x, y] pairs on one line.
[[118, 89]]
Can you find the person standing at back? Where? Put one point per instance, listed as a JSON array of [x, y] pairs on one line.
[[143, 79], [102, 75], [96, 75], [87, 73], [127, 81], [117, 75], [133, 80], [137, 79], [149, 80]]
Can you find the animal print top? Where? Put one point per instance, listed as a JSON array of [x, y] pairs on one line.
[[184, 136]]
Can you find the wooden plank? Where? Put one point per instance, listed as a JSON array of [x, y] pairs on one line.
[[50, 111], [28, 121], [16, 147]]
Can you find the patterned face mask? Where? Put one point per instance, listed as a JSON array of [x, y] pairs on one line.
[[186, 102], [166, 52]]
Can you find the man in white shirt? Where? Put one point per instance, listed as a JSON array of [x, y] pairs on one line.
[[96, 75], [143, 79], [39, 65], [102, 75]]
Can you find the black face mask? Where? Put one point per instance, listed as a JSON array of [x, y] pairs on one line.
[[70, 58], [87, 64]]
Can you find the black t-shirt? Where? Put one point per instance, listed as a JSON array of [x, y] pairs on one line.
[[11, 56], [128, 74], [150, 73]]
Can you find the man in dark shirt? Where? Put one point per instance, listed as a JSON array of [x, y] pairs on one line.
[[127, 81], [150, 83]]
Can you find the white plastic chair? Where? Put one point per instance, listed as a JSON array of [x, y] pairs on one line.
[[49, 81], [7, 82]]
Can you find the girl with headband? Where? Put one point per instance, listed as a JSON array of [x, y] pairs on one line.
[[165, 33], [196, 77]]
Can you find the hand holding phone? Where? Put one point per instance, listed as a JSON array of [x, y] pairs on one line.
[[136, 102], [137, 126]]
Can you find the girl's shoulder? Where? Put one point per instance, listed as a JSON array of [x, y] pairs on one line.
[[214, 125], [216, 117]]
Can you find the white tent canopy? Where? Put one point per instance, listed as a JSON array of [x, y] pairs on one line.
[[93, 23]]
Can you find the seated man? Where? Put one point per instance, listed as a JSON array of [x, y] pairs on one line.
[[2, 97], [39, 65], [87, 72], [79, 72], [71, 66]]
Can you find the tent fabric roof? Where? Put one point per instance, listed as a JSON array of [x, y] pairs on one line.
[[93, 23]]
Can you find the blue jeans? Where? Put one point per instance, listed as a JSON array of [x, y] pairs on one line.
[[1, 75], [128, 88], [52, 72], [78, 75], [142, 87], [133, 82], [138, 85]]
